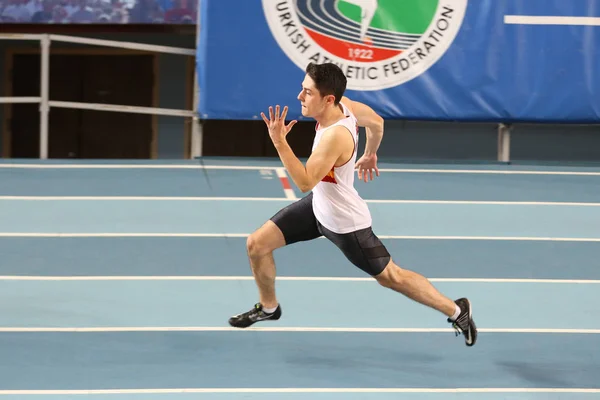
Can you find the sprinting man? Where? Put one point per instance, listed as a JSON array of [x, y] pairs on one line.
[[334, 209]]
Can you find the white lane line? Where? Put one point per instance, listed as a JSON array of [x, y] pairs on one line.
[[296, 390], [551, 20], [290, 196], [284, 329], [279, 278], [244, 235], [257, 167]]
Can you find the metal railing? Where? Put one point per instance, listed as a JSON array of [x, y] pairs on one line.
[[46, 103]]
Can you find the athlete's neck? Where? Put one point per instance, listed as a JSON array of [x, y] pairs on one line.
[[330, 116]]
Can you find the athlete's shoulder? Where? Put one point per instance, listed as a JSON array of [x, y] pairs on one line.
[[346, 100], [363, 113], [348, 103], [335, 131]]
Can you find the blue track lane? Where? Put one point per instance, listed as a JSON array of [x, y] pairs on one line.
[[256, 183], [245, 217], [340, 304], [227, 256], [139, 182], [474, 187], [275, 359]]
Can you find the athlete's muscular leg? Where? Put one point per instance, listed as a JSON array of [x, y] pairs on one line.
[[260, 246], [415, 287], [364, 249]]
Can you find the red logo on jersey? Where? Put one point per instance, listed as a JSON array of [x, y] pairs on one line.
[[330, 177]]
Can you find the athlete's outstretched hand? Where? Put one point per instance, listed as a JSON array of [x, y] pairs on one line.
[[365, 166], [278, 130]]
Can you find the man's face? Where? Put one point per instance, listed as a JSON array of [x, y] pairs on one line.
[[310, 99]]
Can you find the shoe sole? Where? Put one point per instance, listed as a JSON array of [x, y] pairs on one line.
[[474, 337], [271, 318]]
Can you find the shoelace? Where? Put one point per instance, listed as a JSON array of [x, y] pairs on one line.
[[457, 329], [256, 311], [464, 320]]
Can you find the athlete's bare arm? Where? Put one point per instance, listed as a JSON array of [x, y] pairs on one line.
[[333, 145], [370, 120], [373, 124], [336, 146]]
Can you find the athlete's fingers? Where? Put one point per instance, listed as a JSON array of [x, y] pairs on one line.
[[284, 113], [290, 125], [277, 112], [264, 117], [271, 113]]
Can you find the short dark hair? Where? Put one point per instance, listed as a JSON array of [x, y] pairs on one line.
[[329, 79]]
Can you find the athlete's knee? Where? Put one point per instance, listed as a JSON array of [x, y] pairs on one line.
[[264, 240], [257, 246], [253, 246]]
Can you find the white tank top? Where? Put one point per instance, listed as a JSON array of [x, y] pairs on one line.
[[336, 203]]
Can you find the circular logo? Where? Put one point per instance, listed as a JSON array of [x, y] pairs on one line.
[[378, 43]]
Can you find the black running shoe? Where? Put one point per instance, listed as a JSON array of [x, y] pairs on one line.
[[464, 323], [254, 315]]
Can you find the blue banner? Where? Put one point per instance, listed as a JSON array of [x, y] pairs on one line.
[[465, 60]]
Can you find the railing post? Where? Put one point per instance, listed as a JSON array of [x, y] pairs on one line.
[[44, 103], [196, 139], [504, 142]]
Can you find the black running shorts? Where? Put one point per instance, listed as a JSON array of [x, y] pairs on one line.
[[362, 248]]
